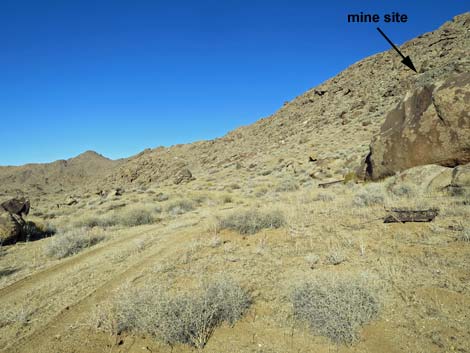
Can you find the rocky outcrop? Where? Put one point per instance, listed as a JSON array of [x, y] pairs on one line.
[[431, 125], [10, 226], [17, 206], [183, 175]]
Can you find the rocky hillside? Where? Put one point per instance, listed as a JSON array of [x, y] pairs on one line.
[[334, 122], [324, 133], [57, 176]]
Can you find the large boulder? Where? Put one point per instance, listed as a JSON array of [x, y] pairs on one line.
[[430, 126], [461, 176], [17, 206], [11, 226], [425, 178], [183, 175]]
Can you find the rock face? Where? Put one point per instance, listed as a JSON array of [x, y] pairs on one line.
[[10, 226], [431, 125], [18, 206]]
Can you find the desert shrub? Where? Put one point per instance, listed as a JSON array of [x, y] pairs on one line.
[[403, 190], [226, 198], [335, 308], [183, 318], [71, 242], [135, 217], [180, 206], [335, 257], [464, 235], [287, 185], [161, 197], [252, 221], [95, 221], [370, 195], [323, 196]]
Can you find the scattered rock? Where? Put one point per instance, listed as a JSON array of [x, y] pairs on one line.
[[184, 175], [70, 201], [118, 192], [430, 126]]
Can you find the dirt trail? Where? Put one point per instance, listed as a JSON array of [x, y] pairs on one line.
[[69, 316], [29, 281]]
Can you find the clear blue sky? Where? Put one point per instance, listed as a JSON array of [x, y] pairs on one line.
[[121, 76]]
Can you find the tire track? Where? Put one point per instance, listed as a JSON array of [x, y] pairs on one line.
[[42, 275], [40, 339]]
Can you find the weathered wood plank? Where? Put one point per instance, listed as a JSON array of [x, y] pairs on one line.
[[327, 185], [403, 215]]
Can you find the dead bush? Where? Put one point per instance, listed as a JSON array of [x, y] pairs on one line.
[[182, 318], [252, 221], [180, 206], [335, 308], [71, 242]]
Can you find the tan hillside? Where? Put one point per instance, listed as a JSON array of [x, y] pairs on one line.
[[237, 245], [335, 127], [58, 176]]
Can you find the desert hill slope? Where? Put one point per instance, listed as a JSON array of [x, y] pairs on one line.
[[245, 252], [56, 176], [332, 123]]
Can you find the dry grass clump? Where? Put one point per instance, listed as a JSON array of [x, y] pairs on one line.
[[180, 206], [92, 221], [287, 185], [335, 308], [135, 217], [464, 235], [127, 217], [71, 242], [184, 318], [370, 195], [252, 221]]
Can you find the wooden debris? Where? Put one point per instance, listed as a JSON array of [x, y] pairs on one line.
[[396, 215], [327, 185]]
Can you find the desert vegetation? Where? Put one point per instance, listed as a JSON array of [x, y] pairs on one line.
[[252, 221], [188, 318], [335, 307], [71, 242]]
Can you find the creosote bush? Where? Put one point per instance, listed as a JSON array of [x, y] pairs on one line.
[[183, 318], [252, 221], [370, 195], [335, 308], [71, 242]]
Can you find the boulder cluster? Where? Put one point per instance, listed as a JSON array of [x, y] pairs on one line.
[[12, 223]]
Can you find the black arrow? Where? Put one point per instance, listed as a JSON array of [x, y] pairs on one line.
[[406, 60]]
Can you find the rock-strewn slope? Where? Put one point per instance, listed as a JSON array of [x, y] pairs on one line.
[[334, 122]]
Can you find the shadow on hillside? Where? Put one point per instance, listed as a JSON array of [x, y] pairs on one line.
[[8, 271], [32, 232]]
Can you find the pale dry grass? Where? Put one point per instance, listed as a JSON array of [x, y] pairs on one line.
[[188, 318]]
